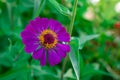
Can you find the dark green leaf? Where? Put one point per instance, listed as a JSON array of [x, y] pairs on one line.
[[10, 75], [91, 70]]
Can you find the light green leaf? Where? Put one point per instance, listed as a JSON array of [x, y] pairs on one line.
[[75, 57], [69, 74], [84, 39], [60, 8]]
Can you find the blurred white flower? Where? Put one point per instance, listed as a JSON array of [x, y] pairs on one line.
[[94, 2], [117, 7], [89, 14]]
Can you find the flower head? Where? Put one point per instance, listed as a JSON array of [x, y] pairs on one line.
[[46, 38]]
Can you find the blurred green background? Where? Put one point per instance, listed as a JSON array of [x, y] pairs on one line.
[[100, 57]]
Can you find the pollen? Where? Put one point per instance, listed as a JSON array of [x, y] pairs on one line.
[[48, 38]]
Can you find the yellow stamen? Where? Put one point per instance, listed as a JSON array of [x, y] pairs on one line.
[[42, 40]]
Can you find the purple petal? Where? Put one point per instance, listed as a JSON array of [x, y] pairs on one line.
[[60, 52], [36, 24], [42, 23], [62, 30], [32, 41], [31, 48], [64, 47], [29, 38], [32, 29], [53, 57], [26, 34], [43, 58], [37, 54], [65, 37], [55, 25]]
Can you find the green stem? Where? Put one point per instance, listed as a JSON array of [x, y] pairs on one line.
[[72, 18], [63, 67], [9, 6]]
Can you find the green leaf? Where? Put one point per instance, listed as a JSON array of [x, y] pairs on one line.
[[91, 70], [81, 64], [10, 1], [12, 74], [60, 8], [10, 44], [75, 57], [84, 39], [40, 71], [69, 74], [38, 7]]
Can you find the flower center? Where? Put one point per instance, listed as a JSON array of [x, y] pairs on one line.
[[48, 39]]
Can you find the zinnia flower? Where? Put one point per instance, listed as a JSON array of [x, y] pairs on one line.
[[46, 39]]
